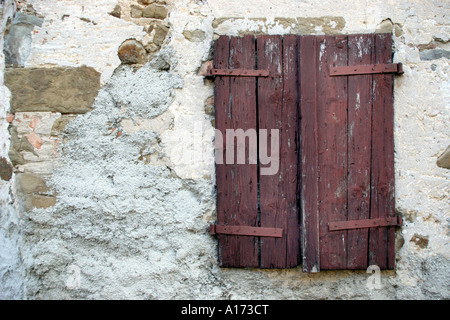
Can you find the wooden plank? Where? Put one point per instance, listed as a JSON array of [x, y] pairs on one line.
[[270, 105], [359, 149], [289, 146], [381, 243], [221, 106], [243, 116], [332, 151], [309, 196]]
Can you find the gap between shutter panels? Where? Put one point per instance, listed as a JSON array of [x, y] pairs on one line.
[[321, 248]]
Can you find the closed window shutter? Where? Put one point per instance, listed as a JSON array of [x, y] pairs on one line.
[[245, 196], [347, 154], [335, 179]]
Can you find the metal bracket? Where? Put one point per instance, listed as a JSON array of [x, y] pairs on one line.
[[365, 223], [366, 69], [246, 231], [238, 72]]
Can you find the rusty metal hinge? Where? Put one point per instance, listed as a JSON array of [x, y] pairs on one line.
[[237, 72], [366, 69], [365, 223], [246, 231]]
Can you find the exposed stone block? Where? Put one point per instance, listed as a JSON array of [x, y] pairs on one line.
[[39, 201], [64, 90], [194, 35], [160, 34], [136, 12], [386, 26], [6, 169], [209, 106], [205, 67], [132, 51], [29, 183], [155, 11], [116, 12], [443, 160], [17, 146], [151, 47], [34, 190], [434, 54], [60, 124], [35, 140], [147, 2]]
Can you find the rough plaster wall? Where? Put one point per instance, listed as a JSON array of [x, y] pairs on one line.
[[11, 270], [135, 176]]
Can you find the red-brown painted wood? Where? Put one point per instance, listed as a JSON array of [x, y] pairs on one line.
[[341, 167], [221, 102], [236, 183], [359, 149], [347, 152], [365, 223], [289, 145], [278, 192], [270, 106], [278, 109], [245, 180], [308, 155], [381, 240], [332, 151]]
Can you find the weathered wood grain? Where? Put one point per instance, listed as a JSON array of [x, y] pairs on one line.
[[381, 244], [237, 202], [270, 106], [309, 194], [332, 150], [359, 148]]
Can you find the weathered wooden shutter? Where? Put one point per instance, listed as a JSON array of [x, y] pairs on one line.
[[347, 152], [246, 198], [331, 98]]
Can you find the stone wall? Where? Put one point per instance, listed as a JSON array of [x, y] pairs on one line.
[[11, 267], [107, 164]]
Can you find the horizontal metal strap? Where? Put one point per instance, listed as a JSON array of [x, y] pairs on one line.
[[365, 223], [238, 72], [366, 69], [246, 231]]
